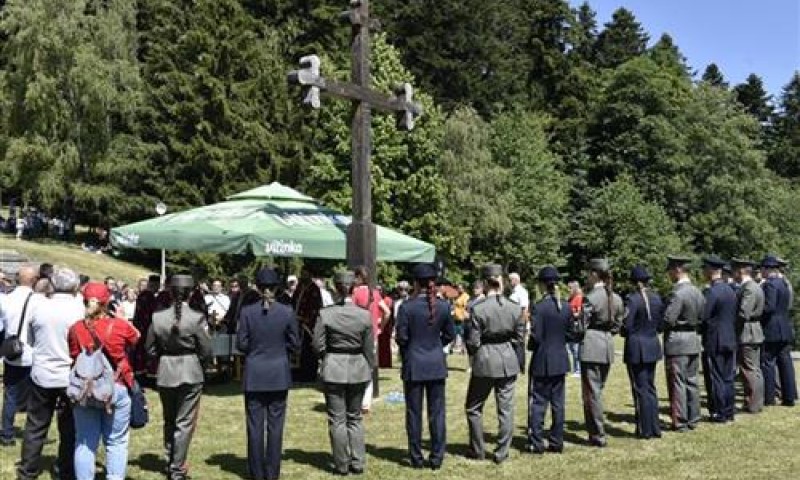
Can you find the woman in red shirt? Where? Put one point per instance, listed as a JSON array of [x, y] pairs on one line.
[[380, 312], [91, 424]]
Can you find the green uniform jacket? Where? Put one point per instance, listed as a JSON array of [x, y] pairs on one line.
[[598, 341], [496, 331], [750, 299], [180, 354], [343, 340], [682, 319]]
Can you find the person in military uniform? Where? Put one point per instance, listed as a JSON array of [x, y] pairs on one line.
[[749, 308], [179, 338], [424, 327], [497, 327], [343, 340], [552, 327], [778, 335], [682, 345], [783, 274], [267, 335], [719, 342], [603, 316], [644, 314]]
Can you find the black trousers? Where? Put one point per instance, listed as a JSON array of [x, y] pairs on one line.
[[266, 414], [778, 354], [42, 404], [415, 393], [544, 391], [720, 373], [645, 399]]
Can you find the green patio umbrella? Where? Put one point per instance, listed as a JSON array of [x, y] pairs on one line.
[[270, 220]]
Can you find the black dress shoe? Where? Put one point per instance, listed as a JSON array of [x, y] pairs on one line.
[[434, 466], [598, 442], [339, 473], [472, 455], [553, 449], [534, 450], [356, 470], [498, 459]]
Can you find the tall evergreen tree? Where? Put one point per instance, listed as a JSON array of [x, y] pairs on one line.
[[713, 76], [549, 25], [622, 39], [584, 34], [755, 99], [784, 155], [667, 55]]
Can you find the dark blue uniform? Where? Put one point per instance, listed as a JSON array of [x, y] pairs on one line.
[[552, 318], [266, 337], [424, 370], [719, 350], [642, 352], [778, 340]]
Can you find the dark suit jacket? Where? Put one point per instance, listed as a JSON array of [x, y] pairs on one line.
[[266, 338], [775, 320], [719, 319], [551, 329], [421, 343], [641, 329]]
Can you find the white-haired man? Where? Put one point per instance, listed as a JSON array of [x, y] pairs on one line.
[[50, 322]]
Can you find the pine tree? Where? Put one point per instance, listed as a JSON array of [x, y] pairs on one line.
[[713, 76], [622, 39], [667, 55], [754, 98], [584, 35], [784, 154]]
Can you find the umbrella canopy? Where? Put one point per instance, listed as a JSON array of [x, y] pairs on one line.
[[270, 220]]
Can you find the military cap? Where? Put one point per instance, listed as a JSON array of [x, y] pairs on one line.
[[713, 261], [599, 265], [548, 274], [424, 271], [741, 262], [640, 274], [677, 261], [727, 268], [770, 261], [181, 281], [781, 262], [346, 278], [267, 277], [492, 270]]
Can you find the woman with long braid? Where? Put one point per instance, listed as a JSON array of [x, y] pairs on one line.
[[551, 329], [424, 327], [179, 338], [603, 315], [645, 312]]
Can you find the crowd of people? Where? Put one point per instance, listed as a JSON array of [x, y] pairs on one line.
[[299, 330]]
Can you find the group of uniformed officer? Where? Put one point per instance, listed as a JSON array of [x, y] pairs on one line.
[[734, 322]]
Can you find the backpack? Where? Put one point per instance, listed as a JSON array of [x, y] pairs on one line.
[[91, 379]]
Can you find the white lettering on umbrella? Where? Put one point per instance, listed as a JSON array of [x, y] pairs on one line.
[[281, 247]]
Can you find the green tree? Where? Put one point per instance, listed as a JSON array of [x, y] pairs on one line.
[[667, 55], [217, 101], [541, 191], [784, 154], [621, 224], [713, 76], [622, 39], [754, 98], [479, 197], [584, 34], [72, 91]]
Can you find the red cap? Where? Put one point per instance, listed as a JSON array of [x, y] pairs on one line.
[[98, 291]]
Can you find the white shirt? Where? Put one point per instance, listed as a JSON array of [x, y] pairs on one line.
[[219, 303], [10, 310], [520, 296], [128, 309], [50, 325], [327, 298]]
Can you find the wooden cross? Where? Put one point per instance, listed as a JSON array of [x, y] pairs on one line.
[[361, 241]]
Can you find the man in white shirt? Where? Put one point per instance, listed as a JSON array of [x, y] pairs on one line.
[[327, 298], [49, 324], [519, 294], [217, 302], [16, 372]]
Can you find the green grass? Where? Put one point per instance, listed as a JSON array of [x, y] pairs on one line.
[[760, 446], [92, 264]]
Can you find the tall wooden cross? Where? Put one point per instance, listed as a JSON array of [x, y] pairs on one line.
[[361, 241]]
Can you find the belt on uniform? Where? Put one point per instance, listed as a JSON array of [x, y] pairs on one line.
[[495, 340], [344, 351], [683, 328], [599, 328], [179, 354], [753, 320]]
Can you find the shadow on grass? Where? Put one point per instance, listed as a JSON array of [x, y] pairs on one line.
[[394, 455], [322, 461], [229, 463], [149, 462], [622, 417]]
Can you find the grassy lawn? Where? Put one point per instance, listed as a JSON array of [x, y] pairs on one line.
[[761, 446], [92, 264]]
